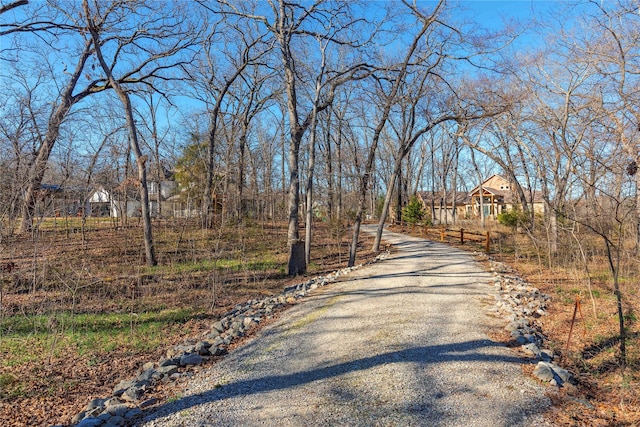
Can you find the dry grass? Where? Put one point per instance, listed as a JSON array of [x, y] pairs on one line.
[[79, 310]]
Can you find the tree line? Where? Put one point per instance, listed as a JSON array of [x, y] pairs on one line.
[[331, 109]]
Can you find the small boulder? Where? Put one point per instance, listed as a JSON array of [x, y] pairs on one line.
[[96, 403], [543, 372], [531, 350], [191, 359], [122, 386], [170, 362], [202, 348], [115, 421], [89, 422], [118, 410], [132, 394], [164, 371]]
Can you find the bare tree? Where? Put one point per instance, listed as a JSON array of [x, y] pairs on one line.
[[12, 5], [291, 24], [242, 46], [388, 99], [614, 51], [59, 24], [94, 24]]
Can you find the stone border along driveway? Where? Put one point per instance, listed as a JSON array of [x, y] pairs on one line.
[[127, 401], [518, 303]]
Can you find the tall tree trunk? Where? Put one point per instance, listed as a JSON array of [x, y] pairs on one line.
[[388, 103], [312, 159], [454, 184], [387, 202], [399, 198], [339, 209], [240, 180], [39, 165], [141, 160], [481, 191], [309, 194], [329, 166]]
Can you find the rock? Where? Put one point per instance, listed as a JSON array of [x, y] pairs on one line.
[[543, 371], [89, 422], [191, 359], [118, 410], [96, 403], [531, 350], [212, 334], [248, 322], [104, 417], [146, 375], [218, 327], [218, 350], [164, 371], [132, 394], [112, 401], [148, 365], [180, 350], [547, 355], [132, 413], [79, 417], [202, 348], [94, 412], [564, 375], [169, 362], [147, 403], [122, 386], [115, 421], [519, 338], [216, 342]]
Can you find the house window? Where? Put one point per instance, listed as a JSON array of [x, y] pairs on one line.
[[153, 187]]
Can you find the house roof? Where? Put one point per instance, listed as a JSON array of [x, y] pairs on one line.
[[461, 197], [493, 191]]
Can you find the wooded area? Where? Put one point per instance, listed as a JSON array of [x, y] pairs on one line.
[[179, 118]]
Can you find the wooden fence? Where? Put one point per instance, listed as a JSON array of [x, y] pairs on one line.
[[459, 235]]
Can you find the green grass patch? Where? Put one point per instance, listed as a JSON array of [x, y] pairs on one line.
[[208, 265], [62, 223], [27, 338]]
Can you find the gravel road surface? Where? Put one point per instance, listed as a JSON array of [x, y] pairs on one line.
[[400, 343]]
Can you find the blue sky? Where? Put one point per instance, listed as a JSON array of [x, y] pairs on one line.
[[493, 11]]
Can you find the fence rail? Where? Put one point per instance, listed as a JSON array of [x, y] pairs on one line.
[[459, 235]]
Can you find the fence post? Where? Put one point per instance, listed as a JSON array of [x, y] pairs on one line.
[[462, 236], [442, 234], [487, 247]]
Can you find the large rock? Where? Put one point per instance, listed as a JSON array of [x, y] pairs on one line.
[[202, 348], [118, 410], [164, 371], [132, 394], [122, 386], [89, 422], [191, 359], [552, 373]]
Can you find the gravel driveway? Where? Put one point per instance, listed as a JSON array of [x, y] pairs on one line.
[[399, 343]]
